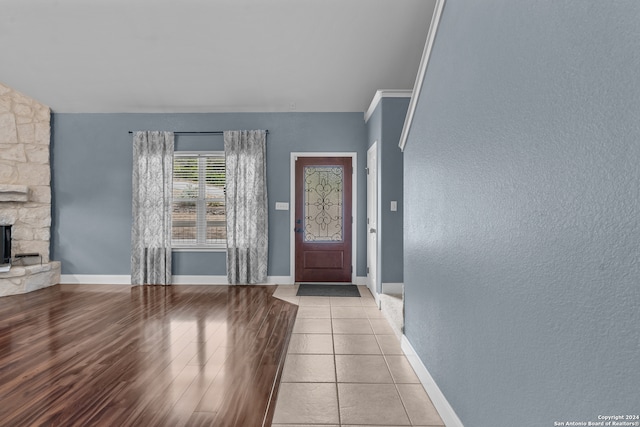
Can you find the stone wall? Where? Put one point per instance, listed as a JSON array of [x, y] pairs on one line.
[[25, 191], [25, 176]]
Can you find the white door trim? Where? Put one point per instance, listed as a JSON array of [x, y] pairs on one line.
[[292, 206], [372, 253]]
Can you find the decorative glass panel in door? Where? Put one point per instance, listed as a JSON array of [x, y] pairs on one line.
[[323, 203]]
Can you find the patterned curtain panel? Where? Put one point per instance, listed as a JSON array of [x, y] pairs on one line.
[[151, 229], [247, 220]]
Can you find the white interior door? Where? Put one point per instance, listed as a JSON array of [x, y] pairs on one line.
[[372, 218]]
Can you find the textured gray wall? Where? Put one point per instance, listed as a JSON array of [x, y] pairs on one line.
[[385, 126], [522, 171], [394, 111], [91, 182]]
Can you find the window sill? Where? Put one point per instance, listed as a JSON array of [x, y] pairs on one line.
[[185, 249]]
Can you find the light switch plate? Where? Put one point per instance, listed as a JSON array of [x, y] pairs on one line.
[[282, 206], [394, 206]]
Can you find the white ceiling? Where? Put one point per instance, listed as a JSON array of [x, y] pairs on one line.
[[210, 55]]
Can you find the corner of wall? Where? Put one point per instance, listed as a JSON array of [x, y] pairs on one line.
[[442, 405]]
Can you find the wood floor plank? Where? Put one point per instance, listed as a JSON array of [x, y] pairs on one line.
[[78, 355]]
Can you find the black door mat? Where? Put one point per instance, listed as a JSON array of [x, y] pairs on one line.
[[321, 290]]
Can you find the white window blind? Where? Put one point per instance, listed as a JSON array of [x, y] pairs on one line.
[[199, 214]]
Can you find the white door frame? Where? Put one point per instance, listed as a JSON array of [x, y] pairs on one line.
[[372, 212], [292, 207]]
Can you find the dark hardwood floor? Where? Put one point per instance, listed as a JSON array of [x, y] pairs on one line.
[[80, 355]]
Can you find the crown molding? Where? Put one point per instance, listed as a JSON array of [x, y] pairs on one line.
[[384, 93], [422, 70]]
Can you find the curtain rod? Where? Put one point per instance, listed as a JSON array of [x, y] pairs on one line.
[[213, 132]]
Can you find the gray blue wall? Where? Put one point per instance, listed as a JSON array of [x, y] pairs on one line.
[[385, 126], [394, 111], [91, 179], [522, 181]]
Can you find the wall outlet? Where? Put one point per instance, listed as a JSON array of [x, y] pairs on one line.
[[394, 206]]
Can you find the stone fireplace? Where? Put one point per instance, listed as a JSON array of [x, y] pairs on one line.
[[25, 191]]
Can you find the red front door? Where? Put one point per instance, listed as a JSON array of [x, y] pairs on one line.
[[323, 220]]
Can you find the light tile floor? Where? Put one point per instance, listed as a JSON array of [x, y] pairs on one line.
[[345, 367]]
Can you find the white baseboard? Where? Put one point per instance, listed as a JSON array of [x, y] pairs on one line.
[[280, 280], [199, 280], [95, 279], [392, 288], [222, 280], [125, 279], [443, 407], [361, 280]]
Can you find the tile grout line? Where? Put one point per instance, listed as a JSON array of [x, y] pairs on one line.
[[335, 363], [382, 353], [395, 384]]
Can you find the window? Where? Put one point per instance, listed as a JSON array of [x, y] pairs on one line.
[[199, 215]]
